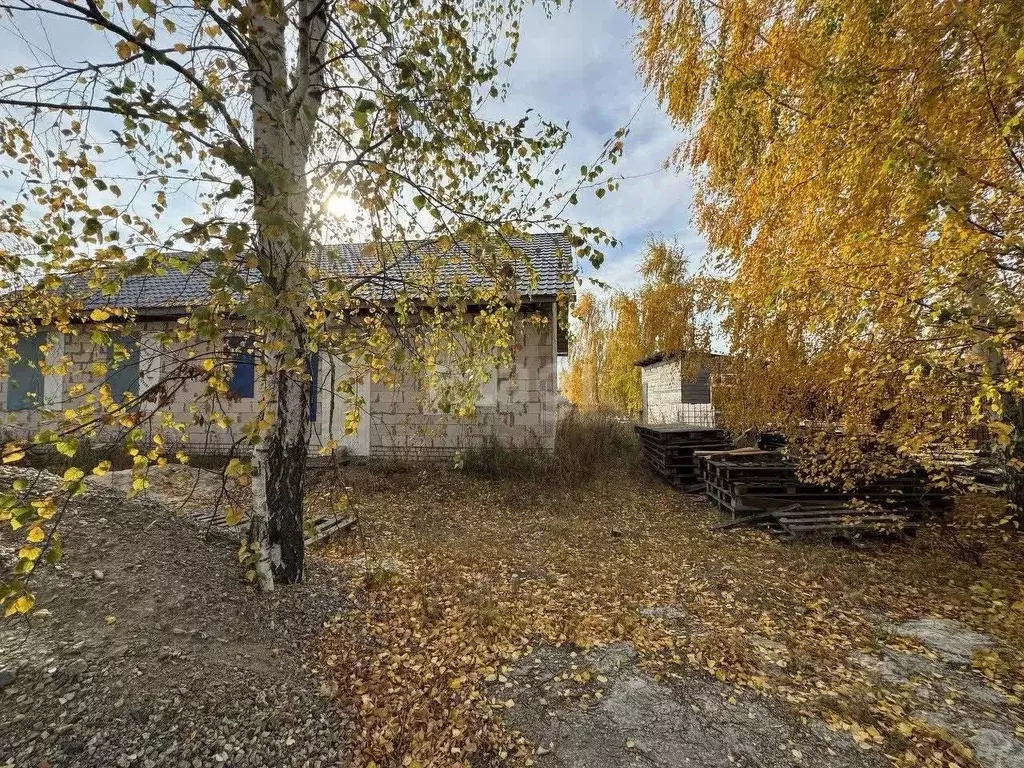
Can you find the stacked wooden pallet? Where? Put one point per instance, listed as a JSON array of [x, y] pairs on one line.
[[972, 468], [762, 488], [669, 450]]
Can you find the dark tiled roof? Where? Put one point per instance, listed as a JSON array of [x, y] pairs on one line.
[[172, 290], [542, 270], [543, 267]]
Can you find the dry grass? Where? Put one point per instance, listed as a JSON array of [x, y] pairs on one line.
[[457, 576], [587, 445]]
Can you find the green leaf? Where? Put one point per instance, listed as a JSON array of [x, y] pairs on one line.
[[362, 110], [55, 550], [67, 447]]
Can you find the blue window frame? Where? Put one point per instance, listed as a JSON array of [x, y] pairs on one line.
[[243, 368], [314, 383], [123, 373], [24, 378]]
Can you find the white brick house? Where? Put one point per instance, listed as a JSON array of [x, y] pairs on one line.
[[518, 405]]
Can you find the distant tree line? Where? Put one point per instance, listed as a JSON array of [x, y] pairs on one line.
[[671, 311]]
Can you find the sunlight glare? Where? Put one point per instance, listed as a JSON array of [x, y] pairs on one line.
[[342, 207]]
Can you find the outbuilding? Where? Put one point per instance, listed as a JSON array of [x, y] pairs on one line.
[[675, 390]]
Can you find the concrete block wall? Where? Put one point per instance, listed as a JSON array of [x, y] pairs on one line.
[[525, 410], [187, 406], [671, 398], [661, 388]]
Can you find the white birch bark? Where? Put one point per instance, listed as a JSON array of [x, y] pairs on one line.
[[284, 112]]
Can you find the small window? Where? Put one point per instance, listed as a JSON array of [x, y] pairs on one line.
[[123, 373], [243, 368], [442, 392], [314, 384], [24, 378]]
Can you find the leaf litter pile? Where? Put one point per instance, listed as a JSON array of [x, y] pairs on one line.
[[455, 578]]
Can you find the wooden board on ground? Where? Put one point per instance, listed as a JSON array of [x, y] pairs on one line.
[[216, 524]]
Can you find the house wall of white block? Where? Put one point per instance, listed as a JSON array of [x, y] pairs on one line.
[[518, 407]]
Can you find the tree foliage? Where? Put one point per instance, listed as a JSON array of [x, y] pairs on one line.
[[668, 312], [232, 140], [862, 168]]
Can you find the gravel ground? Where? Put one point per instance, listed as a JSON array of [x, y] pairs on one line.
[[629, 719], [149, 651]]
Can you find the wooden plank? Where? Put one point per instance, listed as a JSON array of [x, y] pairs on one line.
[[839, 520], [825, 528], [328, 527], [215, 523], [755, 518]]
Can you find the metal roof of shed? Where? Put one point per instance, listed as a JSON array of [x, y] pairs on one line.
[[657, 357]]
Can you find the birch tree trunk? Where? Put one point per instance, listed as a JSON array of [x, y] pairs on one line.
[[1011, 412], [1013, 459], [283, 113]]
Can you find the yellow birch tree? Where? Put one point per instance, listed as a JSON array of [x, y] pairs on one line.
[[862, 167], [667, 313], [211, 140]]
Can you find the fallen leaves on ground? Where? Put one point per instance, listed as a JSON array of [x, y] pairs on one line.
[[455, 578]]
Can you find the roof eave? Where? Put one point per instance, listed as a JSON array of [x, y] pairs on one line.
[[176, 311]]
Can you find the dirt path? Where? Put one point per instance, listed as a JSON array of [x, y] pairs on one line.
[[154, 654]]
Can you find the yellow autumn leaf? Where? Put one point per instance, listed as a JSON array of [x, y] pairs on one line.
[[234, 516], [22, 605], [45, 508], [125, 49], [99, 315], [13, 456], [30, 553], [35, 534]]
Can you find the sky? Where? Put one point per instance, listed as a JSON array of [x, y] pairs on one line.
[[575, 67], [578, 66]]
